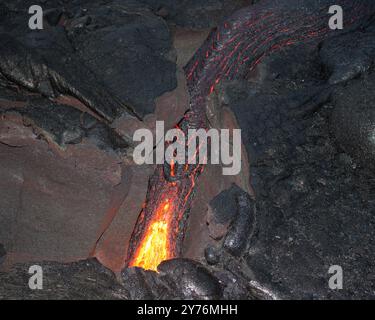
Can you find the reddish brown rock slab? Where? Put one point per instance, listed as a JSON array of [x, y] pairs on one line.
[[187, 42], [53, 201], [111, 248], [171, 106]]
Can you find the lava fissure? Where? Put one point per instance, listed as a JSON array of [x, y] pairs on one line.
[[231, 51]]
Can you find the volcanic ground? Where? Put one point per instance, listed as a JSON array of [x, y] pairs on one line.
[[72, 95]]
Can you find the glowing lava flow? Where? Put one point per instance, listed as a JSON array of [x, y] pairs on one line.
[[154, 247], [159, 230], [230, 52]]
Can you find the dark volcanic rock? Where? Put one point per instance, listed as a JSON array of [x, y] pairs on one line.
[[212, 255], [314, 205], [45, 66], [112, 56], [353, 120], [195, 13], [189, 279], [2, 253], [176, 279], [355, 59], [135, 281], [224, 205], [86, 279], [128, 48], [231, 214], [240, 231], [65, 125]]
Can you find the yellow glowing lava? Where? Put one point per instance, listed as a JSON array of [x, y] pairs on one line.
[[154, 247]]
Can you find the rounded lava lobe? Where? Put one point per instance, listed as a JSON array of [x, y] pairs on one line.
[[353, 121], [212, 255], [190, 279]]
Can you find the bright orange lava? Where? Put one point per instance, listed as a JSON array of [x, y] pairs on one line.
[[154, 247]]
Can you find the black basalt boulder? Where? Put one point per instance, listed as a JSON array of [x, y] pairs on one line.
[[190, 279]]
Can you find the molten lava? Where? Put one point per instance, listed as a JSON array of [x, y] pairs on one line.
[[154, 247], [159, 230]]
